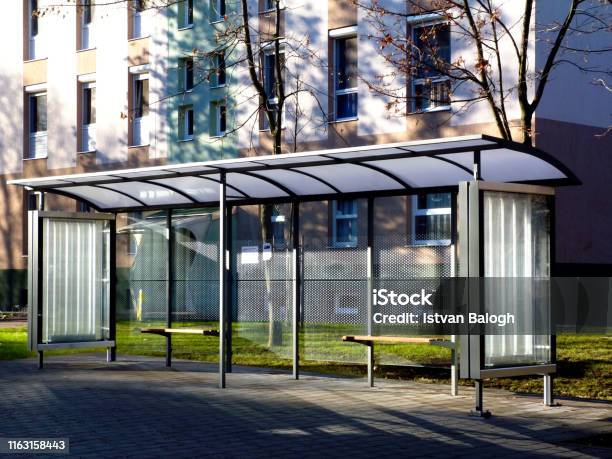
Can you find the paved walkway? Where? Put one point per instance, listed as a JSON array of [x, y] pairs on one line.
[[136, 407]]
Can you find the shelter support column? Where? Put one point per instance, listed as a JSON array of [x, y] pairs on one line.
[[296, 281], [370, 286], [222, 280], [111, 352], [169, 284], [229, 290]]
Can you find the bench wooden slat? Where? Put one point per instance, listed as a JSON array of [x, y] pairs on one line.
[[367, 339], [187, 331]]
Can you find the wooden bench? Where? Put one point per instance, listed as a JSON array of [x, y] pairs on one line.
[[369, 341], [168, 332]]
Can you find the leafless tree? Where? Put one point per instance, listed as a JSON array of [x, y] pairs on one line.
[[491, 74]]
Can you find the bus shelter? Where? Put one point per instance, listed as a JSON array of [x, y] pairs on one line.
[[501, 196]]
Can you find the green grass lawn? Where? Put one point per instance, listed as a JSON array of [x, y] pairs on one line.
[[584, 362]]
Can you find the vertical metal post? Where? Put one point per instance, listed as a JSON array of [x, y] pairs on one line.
[[229, 290], [296, 281], [454, 373], [548, 390], [479, 409], [111, 352], [222, 280], [169, 284], [370, 286]]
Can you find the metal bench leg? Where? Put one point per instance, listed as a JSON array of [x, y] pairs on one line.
[[40, 360], [168, 351], [549, 399], [454, 378], [371, 364], [479, 410], [111, 354]]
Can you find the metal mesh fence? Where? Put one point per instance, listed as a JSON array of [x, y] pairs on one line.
[[334, 292], [262, 299]]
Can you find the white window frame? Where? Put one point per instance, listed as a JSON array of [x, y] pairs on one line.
[[335, 217], [34, 41], [215, 7], [218, 132], [184, 123], [217, 66], [140, 16], [185, 22], [416, 212], [337, 35], [185, 60], [88, 29], [144, 120], [38, 136], [416, 22], [86, 129]]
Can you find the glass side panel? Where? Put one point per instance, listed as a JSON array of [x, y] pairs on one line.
[[517, 244], [75, 280]]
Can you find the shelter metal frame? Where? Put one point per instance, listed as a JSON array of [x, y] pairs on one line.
[[437, 165]]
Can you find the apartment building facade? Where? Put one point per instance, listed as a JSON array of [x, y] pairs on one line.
[[121, 84]]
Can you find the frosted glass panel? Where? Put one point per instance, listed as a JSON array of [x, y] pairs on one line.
[[517, 245], [75, 283]]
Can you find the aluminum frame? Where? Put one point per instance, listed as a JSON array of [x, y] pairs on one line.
[[35, 284]]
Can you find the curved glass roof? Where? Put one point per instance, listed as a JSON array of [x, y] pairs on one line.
[[397, 168]]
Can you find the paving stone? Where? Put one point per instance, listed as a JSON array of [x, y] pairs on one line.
[[137, 408]]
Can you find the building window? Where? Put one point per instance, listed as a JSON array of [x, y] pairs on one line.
[[37, 107], [188, 74], [431, 53], [270, 85], [87, 26], [186, 13], [270, 5], [344, 223], [220, 119], [431, 219], [88, 128], [345, 78], [186, 122], [139, 19], [83, 207], [34, 200], [217, 9], [219, 77], [36, 41], [140, 123]]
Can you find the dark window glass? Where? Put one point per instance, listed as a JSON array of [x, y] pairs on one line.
[[221, 69], [38, 113], [34, 17], [33, 201], [221, 8], [434, 201], [269, 75], [433, 44], [89, 105], [141, 94], [222, 119], [346, 105], [432, 227], [139, 5], [189, 7], [188, 74], [189, 115], [87, 12], [346, 63]]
